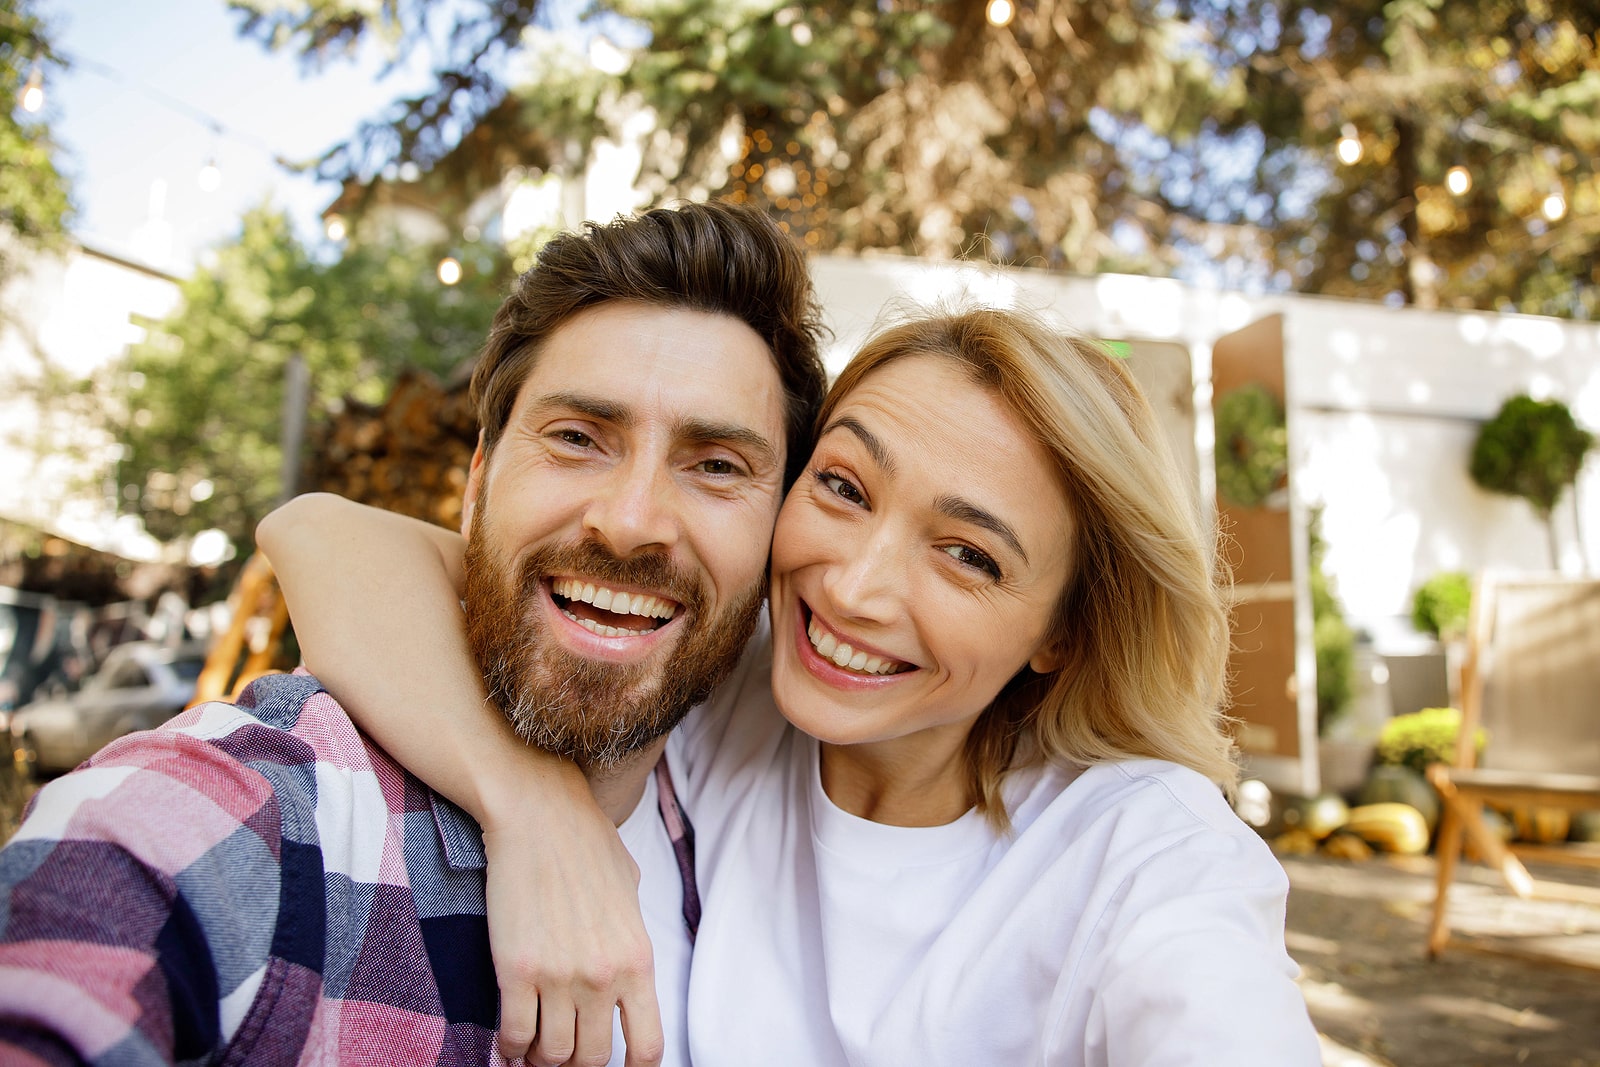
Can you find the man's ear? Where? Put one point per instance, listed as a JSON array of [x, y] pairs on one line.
[[469, 496]]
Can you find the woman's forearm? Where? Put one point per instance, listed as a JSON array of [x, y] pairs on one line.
[[376, 609], [375, 603]]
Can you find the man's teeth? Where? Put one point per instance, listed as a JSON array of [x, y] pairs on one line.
[[650, 607], [830, 647]]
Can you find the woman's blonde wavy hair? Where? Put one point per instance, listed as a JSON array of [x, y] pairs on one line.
[[1142, 623]]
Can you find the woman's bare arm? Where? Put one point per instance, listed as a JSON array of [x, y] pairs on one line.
[[375, 603]]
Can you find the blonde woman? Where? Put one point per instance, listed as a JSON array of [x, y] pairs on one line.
[[989, 824]]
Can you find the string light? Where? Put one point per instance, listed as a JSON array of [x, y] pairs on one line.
[[999, 12], [1554, 207], [449, 270], [335, 228], [32, 95], [210, 177], [1458, 180], [1349, 148]]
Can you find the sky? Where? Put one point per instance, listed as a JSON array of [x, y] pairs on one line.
[[134, 116]]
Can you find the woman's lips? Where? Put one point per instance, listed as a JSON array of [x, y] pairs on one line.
[[822, 650]]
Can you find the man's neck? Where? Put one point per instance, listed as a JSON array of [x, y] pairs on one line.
[[617, 789]]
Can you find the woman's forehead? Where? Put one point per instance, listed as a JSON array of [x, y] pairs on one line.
[[924, 418]]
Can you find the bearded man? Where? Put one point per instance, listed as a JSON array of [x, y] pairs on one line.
[[261, 883]]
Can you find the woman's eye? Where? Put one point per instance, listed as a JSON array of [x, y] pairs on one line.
[[973, 558], [841, 488]]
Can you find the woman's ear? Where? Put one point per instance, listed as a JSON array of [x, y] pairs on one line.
[[1049, 658]]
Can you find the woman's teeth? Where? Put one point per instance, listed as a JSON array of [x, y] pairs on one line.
[[842, 655]]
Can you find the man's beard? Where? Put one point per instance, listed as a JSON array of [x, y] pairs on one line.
[[593, 712]]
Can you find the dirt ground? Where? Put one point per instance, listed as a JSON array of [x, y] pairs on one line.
[[1357, 930]]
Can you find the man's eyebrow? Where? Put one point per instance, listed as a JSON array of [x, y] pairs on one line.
[[968, 512], [593, 406], [755, 445], [875, 448]]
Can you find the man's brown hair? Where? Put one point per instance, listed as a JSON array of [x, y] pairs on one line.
[[716, 257]]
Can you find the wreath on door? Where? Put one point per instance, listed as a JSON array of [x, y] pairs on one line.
[[1252, 449]]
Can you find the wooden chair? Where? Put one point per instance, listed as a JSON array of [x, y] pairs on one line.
[[1531, 680], [250, 647]]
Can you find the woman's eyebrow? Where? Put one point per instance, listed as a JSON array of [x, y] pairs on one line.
[[966, 511], [875, 448]]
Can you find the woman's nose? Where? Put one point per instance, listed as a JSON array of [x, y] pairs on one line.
[[867, 579]]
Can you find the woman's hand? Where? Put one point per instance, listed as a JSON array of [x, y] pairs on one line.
[[568, 938]]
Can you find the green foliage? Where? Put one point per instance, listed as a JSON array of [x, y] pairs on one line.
[[204, 392], [33, 195], [1502, 89], [1252, 451], [1422, 737], [1199, 133], [1331, 637], [1532, 449], [1441, 605]]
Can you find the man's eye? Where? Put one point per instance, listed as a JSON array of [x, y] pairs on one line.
[[575, 437], [719, 466], [973, 558]]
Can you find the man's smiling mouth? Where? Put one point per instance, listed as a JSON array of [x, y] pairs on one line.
[[610, 612]]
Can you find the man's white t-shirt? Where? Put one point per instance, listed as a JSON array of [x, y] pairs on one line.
[[1129, 918], [661, 900]]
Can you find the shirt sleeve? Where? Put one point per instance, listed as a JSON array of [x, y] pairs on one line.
[[137, 906], [1197, 973]]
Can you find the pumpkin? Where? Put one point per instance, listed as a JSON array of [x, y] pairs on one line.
[[1396, 783], [1390, 826], [1347, 846], [1541, 825], [1585, 827], [1318, 816]]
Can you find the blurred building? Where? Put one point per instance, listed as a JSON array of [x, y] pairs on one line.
[[67, 318]]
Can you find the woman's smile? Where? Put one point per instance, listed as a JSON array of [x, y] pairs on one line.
[[917, 568]]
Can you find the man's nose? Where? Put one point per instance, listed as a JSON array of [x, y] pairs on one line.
[[637, 509]]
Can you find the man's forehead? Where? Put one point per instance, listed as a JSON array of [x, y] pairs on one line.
[[628, 361]]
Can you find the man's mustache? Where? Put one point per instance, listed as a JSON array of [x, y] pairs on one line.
[[653, 571]]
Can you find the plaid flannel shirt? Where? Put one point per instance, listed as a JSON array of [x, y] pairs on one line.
[[250, 884]]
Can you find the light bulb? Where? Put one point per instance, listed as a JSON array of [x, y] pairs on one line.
[[209, 178], [335, 228], [32, 95], [1458, 180], [1554, 207], [1349, 147], [449, 270], [999, 12]]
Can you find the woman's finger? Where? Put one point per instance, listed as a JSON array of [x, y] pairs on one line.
[[641, 1024], [557, 1026]]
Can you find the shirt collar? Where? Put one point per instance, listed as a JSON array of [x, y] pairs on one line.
[[460, 835]]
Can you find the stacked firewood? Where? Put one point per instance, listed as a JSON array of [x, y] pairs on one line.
[[409, 454]]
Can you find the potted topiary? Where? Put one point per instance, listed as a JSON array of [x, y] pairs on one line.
[[1532, 449], [1441, 607]]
